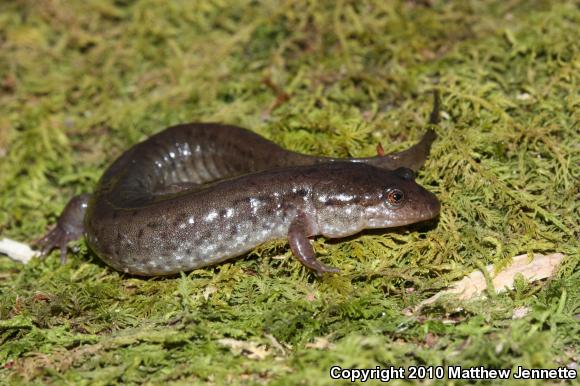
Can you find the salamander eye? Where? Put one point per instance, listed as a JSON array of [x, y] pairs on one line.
[[395, 197]]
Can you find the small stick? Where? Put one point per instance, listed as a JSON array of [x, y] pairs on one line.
[[281, 95], [17, 251], [380, 150]]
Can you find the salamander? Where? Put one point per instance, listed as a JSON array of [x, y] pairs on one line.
[[199, 194]]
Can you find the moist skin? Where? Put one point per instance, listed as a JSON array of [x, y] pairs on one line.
[[198, 194]]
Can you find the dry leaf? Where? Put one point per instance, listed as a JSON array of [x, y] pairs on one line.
[[250, 349], [209, 290], [520, 312], [320, 344], [473, 285]]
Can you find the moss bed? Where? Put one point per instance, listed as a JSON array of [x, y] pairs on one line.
[[82, 81]]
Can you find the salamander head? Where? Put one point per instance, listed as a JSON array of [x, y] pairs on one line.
[[403, 202], [373, 198]]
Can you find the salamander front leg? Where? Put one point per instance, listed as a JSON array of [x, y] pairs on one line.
[[302, 249]]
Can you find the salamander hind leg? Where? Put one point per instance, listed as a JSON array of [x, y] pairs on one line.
[[302, 249], [69, 227]]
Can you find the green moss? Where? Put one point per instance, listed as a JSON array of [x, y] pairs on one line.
[[81, 81]]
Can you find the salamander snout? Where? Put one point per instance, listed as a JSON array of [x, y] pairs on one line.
[[403, 202], [432, 205], [420, 205]]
